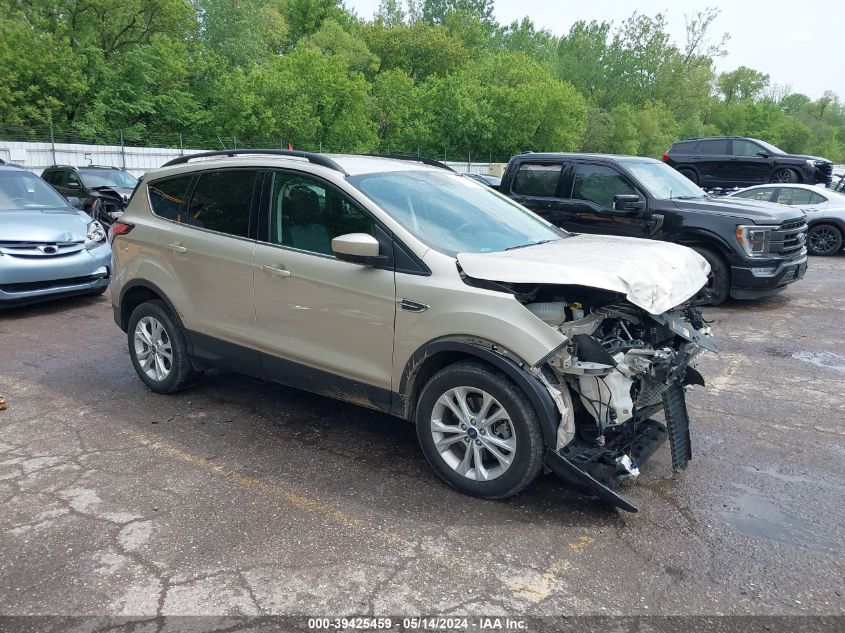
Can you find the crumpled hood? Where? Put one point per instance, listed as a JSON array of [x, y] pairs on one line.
[[656, 276], [44, 225]]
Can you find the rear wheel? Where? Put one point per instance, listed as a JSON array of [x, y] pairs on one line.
[[784, 175], [478, 431], [689, 173], [824, 239], [718, 286], [158, 349]]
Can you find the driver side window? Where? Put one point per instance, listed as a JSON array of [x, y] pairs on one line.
[[746, 148], [598, 184], [306, 214]]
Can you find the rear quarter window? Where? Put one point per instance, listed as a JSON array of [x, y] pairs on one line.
[[167, 196]]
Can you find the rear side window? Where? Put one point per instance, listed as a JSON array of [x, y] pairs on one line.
[[167, 197], [794, 195], [537, 180], [684, 147], [221, 202], [713, 147]]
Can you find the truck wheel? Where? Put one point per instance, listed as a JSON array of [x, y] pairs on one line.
[[689, 173], [157, 348], [784, 175], [478, 431], [824, 239], [718, 286]]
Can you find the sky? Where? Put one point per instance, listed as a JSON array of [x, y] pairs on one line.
[[798, 44]]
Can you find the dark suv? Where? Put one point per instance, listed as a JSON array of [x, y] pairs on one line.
[[102, 191], [736, 161], [754, 249]]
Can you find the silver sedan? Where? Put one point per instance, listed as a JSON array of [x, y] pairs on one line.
[[825, 212]]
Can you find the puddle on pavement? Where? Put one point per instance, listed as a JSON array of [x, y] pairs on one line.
[[752, 514], [771, 471], [827, 360]]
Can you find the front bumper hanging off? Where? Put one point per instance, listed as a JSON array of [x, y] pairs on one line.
[[592, 470]]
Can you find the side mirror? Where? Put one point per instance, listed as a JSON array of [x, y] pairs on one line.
[[359, 248], [628, 203], [763, 154], [74, 202]]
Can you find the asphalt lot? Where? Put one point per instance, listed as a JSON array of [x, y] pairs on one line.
[[239, 497]]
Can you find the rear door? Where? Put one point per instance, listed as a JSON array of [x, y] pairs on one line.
[[206, 254], [324, 324], [713, 162], [536, 185]]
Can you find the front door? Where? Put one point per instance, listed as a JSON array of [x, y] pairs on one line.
[[748, 165], [587, 202], [324, 324]]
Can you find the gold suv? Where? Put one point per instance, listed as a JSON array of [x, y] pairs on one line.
[[400, 285]]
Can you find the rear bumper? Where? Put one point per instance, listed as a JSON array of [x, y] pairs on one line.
[[26, 280], [767, 279]]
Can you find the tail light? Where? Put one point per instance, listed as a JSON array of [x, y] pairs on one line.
[[665, 157], [119, 228]]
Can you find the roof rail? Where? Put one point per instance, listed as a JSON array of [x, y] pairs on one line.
[[311, 157], [417, 159]]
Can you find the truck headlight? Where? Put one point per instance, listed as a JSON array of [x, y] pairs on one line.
[[754, 240], [810, 163], [96, 235]]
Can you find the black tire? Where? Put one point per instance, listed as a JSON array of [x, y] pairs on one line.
[[689, 173], [527, 458], [718, 286], [824, 240], [180, 374], [784, 175]]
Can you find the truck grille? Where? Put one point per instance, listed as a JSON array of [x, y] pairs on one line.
[[824, 172], [788, 239]]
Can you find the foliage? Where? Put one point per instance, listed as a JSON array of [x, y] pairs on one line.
[[439, 77]]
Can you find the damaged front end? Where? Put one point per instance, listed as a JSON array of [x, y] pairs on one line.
[[619, 367]]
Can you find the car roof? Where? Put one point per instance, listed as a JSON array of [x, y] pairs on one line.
[[572, 155], [83, 167], [348, 164]]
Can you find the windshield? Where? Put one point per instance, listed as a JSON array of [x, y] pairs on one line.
[[663, 182], [20, 190], [107, 178], [453, 214]]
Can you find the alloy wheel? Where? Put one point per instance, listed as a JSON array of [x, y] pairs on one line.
[[153, 348], [822, 240], [473, 433]]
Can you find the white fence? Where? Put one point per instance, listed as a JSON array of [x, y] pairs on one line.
[[136, 160]]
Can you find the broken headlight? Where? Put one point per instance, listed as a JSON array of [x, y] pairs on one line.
[[96, 235]]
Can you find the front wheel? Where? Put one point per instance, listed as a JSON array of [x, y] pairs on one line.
[[479, 432], [824, 239], [784, 175], [718, 286]]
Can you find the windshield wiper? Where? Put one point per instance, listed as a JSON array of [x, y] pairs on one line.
[[513, 248]]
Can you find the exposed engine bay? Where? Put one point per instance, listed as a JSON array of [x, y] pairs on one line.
[[619, 366]]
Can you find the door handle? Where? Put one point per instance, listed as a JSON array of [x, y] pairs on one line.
[[276, 272], [177, 248]]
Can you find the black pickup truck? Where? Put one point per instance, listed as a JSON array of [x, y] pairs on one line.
[[755, 249]]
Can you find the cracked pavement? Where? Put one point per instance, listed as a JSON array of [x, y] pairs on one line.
[[244, 498]]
